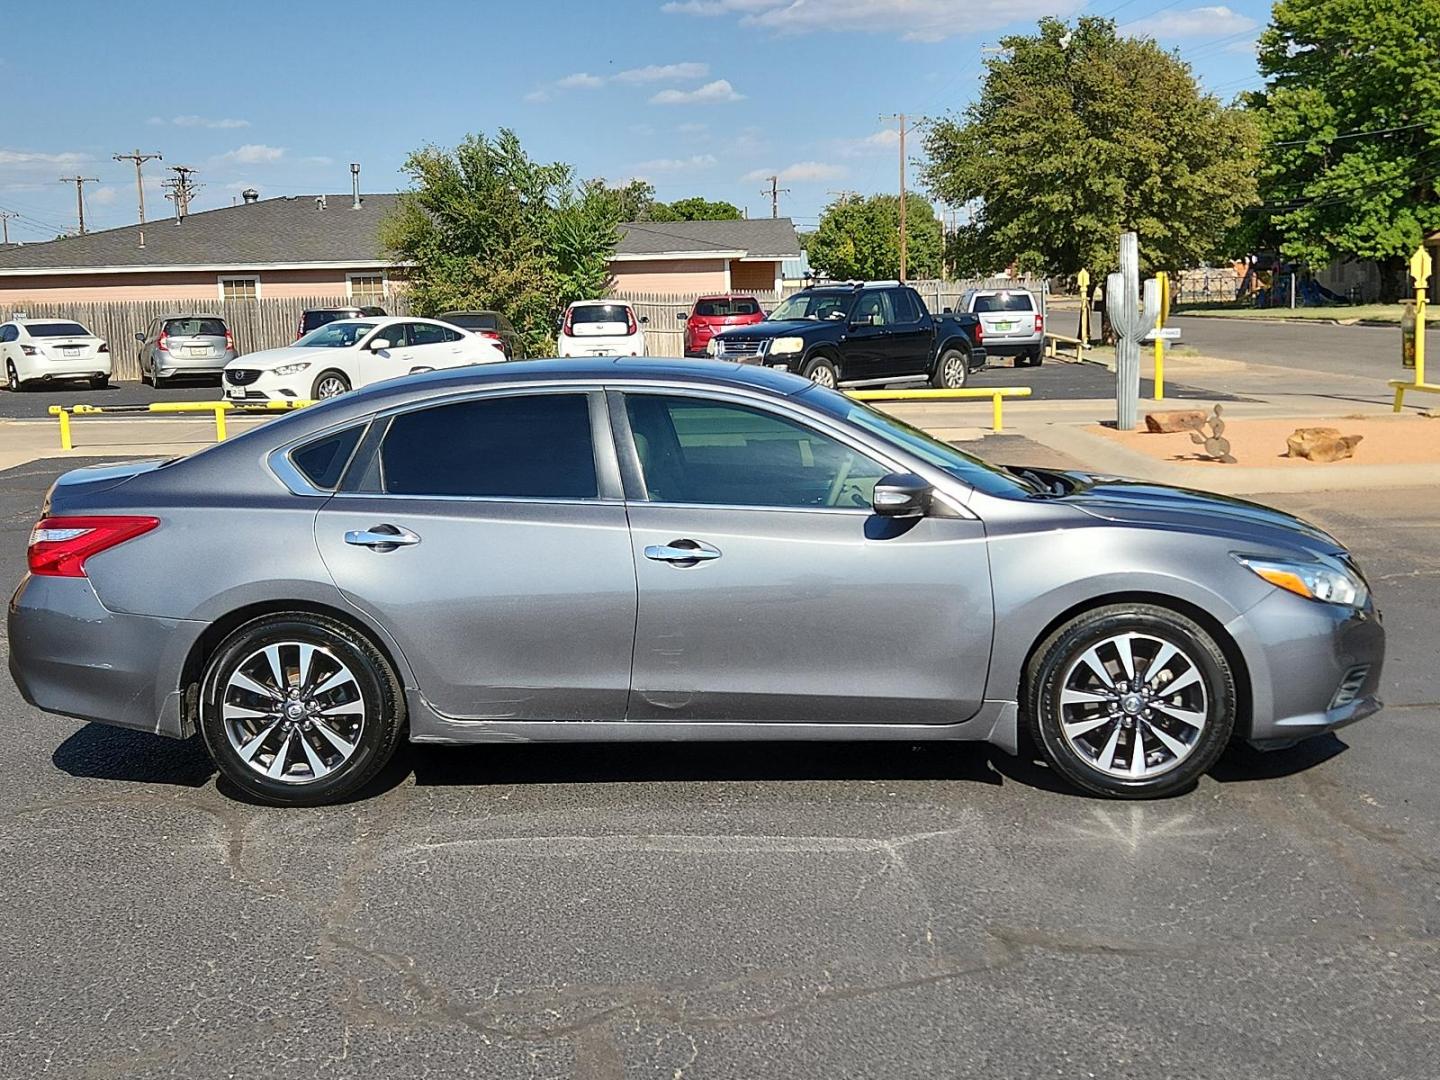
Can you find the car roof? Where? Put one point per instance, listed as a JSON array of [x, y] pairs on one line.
[[39, 321], [725, 296], [191, 315], [453, 314], [599, 303]]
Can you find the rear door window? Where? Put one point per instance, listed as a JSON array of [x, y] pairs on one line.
[[903, 301], [530, 446]]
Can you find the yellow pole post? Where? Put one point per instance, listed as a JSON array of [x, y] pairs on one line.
[[220, 423], [64, 415], [997, 418], [1082, 279], [1163, 280], [1420, 275]]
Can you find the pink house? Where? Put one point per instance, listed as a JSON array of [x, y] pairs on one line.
[[690, 257]]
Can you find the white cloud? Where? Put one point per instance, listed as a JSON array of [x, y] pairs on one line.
[[23, 159], [916, 20], [581, 80], [886, 140], [1207, 22], [254, 154], [535, 96], [662, 73], [224, 123], [711, 93], [801, 171], [102, 196], [696, 161]]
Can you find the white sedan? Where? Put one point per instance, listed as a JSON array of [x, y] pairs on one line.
[[351, 353], [44, 350]]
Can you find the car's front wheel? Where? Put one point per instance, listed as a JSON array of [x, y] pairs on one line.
[[1131, 700], [299, 709], [823, 372], [329, 384]]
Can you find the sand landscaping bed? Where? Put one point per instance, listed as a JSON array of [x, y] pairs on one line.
[[1388, 440]]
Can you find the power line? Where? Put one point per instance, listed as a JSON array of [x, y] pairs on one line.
[[79, 182], [901, 117], [139, 159], [5, 216], [775, 191], [180, 189], [1347, 135]]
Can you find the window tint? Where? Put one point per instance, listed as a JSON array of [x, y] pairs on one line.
[[903, 301], [1005, 301], [323, 462], [709, 452], [335, 335], [427, 334], [873, 308], [534, 446], [7, 332], [735, 305], [56, 329], [400, 335], [472, 322], [195, 327], [320, 316], [598, 313]]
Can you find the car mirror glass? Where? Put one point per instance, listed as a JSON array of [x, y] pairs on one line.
[[140, 338], [901, 495]]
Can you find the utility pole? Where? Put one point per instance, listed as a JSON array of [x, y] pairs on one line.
[[901, 117], [79, 182], [180, 189], [775, 191], [5, 216], [139, 159]]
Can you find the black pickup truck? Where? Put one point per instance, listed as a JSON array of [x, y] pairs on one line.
[[864, 334]]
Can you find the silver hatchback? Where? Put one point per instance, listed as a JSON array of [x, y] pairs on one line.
[[631, 550], [180, 345]]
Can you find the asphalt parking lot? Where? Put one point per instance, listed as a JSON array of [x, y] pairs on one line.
[[740, 912]]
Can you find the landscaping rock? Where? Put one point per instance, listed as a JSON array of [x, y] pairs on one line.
[[1165, 423], [1321, 444]]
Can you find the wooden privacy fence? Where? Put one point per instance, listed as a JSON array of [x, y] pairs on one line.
[[665, 332], [267, 323]]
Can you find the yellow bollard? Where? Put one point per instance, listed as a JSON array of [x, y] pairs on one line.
[[1163, 279], [996, 418], [65, 441], [220, 423]]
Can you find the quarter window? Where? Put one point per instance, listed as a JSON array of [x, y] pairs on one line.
[[428, 334], [323, 461], [905, 309], [531, 446], [721, 454]]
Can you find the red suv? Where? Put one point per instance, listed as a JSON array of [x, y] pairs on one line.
[[712, 314]]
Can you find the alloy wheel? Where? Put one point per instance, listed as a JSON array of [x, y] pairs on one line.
[[330, 386], [293, 712], [1133, 706], [823, 375], [953, 372], [12, 377]]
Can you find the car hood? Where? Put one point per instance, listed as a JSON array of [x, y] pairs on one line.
[[1138, 502], [772, 328], [269, 358]]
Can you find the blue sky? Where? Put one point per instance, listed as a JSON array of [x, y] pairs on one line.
[[701, 97]]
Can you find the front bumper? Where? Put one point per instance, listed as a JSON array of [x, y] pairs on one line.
[[271, 387], [69, 654], [1313, 667]]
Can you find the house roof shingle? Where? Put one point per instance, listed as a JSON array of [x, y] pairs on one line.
[[286, 230], [757, 237]]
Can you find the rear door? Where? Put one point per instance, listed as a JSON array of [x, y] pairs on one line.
[[509, 584], [910, 335]]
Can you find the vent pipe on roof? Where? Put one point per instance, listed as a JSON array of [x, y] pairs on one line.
[[142, 239], [250, 195], [319, 202], [355, 185]]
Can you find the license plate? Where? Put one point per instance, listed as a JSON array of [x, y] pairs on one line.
[[1004, 326], [236, 391], [198, 350], [71, 350]]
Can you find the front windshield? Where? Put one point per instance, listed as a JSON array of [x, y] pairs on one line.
[[336, 335], [977, 472], [814, 306]]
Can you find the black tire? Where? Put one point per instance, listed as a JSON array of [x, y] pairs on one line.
[[327, 379], [1035, 357], [1057, 661], [145, 376], [100, 382], [12, 378], [373, 684], [952, 370], [822, 370]]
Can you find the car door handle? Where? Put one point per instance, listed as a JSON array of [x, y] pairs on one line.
[[382, 537], [682, 551]]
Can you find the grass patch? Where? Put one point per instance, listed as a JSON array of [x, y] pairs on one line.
[[1389, 313]]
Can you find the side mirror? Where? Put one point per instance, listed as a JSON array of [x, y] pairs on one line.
[[901, 495], [379, 345], [140, 338], [681, 316], [644, 319], [948, 311]]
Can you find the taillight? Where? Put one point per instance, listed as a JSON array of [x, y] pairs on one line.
[[59, 546], [229, 341], [493, 335], [300, 330], [104, 347], [1039, 323], [164, 343], [631, 326], [979, 332], [28, 350], [569, 322]]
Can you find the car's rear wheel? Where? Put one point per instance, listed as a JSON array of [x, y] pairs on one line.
[[329, 384], [952, 370], [100, 382], [823, 372], [145, 376], [1131, 700], [12, 378], [1032, 358], [299, 709]]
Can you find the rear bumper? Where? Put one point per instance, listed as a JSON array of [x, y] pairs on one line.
[[69, 654], [1013, 348], [1313, 667], [50, 370], [170, 364]]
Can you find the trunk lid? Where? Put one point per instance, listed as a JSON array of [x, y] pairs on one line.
[[71, 491]]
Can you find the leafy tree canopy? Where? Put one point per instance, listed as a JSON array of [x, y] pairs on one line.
[[1079, 135], [487, 227], [860, 238], [1351, 117], [696, 209]]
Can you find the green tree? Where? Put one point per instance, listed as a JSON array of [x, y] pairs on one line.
[[696, 208], [1079, 135], [860, 238], [487, 227], [1351, 118]]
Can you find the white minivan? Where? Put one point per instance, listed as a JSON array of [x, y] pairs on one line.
[[601, 328]]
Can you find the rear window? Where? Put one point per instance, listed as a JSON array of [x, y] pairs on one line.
[[195, 327], [593, 313], [721, 308], [472, 322], [1006, 301], [323, 461], [57, 329], [312, 319]]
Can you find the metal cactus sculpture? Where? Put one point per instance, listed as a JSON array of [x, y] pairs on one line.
[[1132, 318]]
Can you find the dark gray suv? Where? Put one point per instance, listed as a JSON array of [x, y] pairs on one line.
[[596, 550]]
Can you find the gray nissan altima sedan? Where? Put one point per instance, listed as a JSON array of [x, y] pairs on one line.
[[642, 550]]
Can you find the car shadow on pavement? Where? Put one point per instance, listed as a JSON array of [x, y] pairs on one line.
[[1242, 762], [97, 752]]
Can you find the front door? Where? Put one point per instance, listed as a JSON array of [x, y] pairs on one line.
[[396, 359], [768, 589], [508, 583]]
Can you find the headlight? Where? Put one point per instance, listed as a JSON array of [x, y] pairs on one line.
[[786, 346], [289, 369], [1326, 582], [713, 348]]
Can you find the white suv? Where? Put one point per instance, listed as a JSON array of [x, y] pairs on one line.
[[601, 328], [44, 350]]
